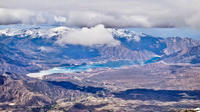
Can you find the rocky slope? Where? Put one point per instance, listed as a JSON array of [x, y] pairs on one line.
[[40, 46], [30, 50], [26, 95]]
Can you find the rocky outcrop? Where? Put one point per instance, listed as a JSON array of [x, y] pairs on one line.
[[15, 92], [30, 93]]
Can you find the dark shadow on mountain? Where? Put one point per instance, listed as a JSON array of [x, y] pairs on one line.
[[80, 52], [69, 85], [2, 79], [195, 60], [79, 107], [82, 106], [149, 43], [160, 95]]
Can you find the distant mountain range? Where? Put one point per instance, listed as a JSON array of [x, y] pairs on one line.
[[27, 50], [36, 48]]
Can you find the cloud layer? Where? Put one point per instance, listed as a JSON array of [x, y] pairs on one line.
[[97, 35], [21, 16], [111, 13]]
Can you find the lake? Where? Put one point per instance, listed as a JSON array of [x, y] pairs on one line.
[[85, 67]]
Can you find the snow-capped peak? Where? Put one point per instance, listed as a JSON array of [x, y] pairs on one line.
[[52, 31], [34, 32], [129, 35]]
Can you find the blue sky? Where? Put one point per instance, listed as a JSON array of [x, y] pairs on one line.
[[170, 32]]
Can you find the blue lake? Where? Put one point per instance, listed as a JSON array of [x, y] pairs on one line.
[[84, 67]]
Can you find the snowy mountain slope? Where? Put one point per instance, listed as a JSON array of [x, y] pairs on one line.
[[42, 43]]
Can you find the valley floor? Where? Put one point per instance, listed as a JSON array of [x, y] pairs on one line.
[[153, 87]]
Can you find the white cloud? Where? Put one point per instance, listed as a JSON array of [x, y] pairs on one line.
[[16, 16], [111, 13], [97, 35], [194, 21], [46, 49], [137, 38]]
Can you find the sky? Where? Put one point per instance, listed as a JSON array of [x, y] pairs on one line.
[[110, 13], [170, 32], [162, 18]]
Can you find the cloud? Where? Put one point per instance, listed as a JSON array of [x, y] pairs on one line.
[[21, 16], [46, 49], [91, 18], [111, 13], [194, 21], [137, 38], [97, 35]]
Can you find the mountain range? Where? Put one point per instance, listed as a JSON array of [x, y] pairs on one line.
[[28, 50]]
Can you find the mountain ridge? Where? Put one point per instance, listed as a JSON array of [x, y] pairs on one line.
[[160, 63]]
